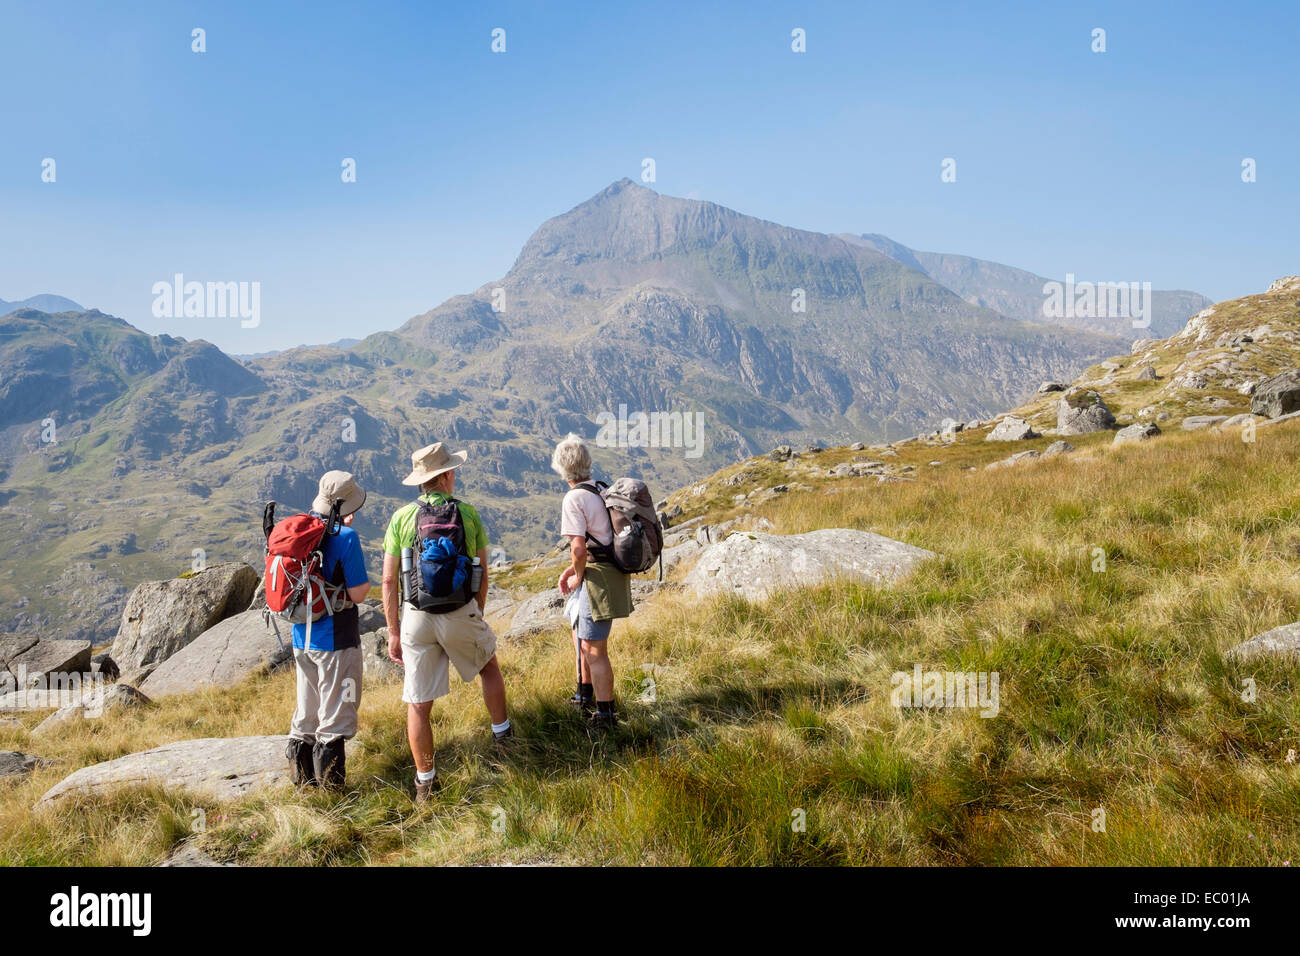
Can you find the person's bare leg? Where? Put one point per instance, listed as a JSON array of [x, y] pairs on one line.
[[420, 735], [596, 658], [494, 690], [577, 651]]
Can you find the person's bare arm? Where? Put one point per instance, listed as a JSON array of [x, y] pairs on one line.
[[572, 575], [392, 565], [483, 585], [358, 593]]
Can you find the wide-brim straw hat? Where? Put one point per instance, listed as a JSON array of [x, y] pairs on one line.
[[338, 486], [431, 461]]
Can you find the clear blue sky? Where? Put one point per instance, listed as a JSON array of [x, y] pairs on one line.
[[226, 165]]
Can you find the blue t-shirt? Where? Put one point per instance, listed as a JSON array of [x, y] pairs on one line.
[[343, 564]]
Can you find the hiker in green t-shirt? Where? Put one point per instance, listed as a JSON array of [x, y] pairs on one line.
[[428, 643]]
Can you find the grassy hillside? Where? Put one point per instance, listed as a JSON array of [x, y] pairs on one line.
[[1114, 695]]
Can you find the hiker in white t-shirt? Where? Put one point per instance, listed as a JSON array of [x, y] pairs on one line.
[[597, 591]]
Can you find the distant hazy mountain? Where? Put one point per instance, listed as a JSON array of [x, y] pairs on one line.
[[1019, 294], [45, 303], [165, 450]]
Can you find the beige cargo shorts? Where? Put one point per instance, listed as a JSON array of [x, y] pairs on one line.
[[430, 642]]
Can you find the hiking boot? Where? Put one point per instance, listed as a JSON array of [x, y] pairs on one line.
[[425, 789], [302, 768], [504, 738], [604, 720], [331, 765]]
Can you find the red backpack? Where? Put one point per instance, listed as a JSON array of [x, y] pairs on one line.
[[296, 589]]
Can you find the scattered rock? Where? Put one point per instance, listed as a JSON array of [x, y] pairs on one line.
[[1148, 374], [190, 855], [754, 565], [1277, 395], [1058, 448], [1011, 429], [1280, 643], [1013, 460], [377, 666], [1194, 423], [1051, 387], [224, 655], [112, 697], [1136, 433], [857, 446], [161, 617], [104, 665], [1081, 411], [218, 768], [15, 764], [1237, 421]]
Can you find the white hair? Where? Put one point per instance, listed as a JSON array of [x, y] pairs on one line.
[[572, 459]]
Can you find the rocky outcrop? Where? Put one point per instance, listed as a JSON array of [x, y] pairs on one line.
[[161, 617], [754, 565], [220, 768], [1281, 643], [224, 655], [1278, 395], [1081, 411]]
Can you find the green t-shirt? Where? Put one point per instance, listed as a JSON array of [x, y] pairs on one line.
[[401, 529]]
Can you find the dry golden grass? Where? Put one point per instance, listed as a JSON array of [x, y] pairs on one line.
[[1114, 696]]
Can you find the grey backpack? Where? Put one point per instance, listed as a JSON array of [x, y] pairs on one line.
[[638, 538]]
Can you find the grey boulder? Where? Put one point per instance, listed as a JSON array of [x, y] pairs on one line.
[[161, 617], [15, 764], [1194, 423], [224, 655], [110, 698], [1011, 429], [753, 565], [1281, 643], [1277, 395], [1136, 433], [1081, 411], [37, 664], [377, 666], [1058, 448], [1013, 460], [219, 768], [536, 615]]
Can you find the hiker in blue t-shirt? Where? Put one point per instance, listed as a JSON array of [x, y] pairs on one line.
[[328, 658]]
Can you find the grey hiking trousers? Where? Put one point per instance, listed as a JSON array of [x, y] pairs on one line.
[[329, 693]]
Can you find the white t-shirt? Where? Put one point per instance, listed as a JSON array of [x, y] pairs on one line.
[[583, 511]]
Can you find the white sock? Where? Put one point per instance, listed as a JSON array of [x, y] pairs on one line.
[[422, 777], [501, 728]]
